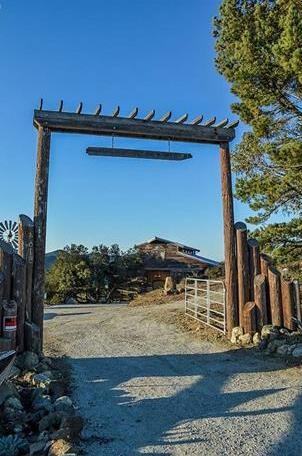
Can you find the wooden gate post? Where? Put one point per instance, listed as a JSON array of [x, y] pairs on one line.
[[40, 216], [26, 251], [242, 269], [229, 239]]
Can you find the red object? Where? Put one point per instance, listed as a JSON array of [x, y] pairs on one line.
[[10, 323]]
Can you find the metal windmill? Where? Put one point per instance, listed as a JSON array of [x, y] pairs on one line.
[[9, 232]]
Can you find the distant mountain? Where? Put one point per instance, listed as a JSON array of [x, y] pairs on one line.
[[50, 258]]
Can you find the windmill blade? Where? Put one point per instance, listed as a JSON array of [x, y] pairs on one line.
[[41, 104], [6, 224], [15, 226], [61, 106], [2, 227]]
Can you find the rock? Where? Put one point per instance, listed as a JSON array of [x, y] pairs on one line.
[[14, 403], [297, 352], [236, 333], [15, 372], [27, 361], [274, 344], [283, 350], [42, 380], [59, 448], [75, 425], [37, 448], [13, 446], [51, 421], [256, 338], [169, 287], [263, 344], [42, 402], [266, 330], [43, 436], [245, 339], [12, 417], [64, 404], [7, 390]]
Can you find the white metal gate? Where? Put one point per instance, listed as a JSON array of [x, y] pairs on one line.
[[205, 301]]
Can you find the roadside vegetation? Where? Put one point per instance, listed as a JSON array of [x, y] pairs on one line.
[[98, 275], [259, 52]]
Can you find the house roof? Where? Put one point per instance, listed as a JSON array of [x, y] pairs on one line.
[[156, 239], [201, 259]]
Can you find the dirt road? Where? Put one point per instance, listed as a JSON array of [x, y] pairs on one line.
[[146, 387]]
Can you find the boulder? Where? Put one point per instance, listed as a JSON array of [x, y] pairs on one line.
[[256, 338], [27, 361], [274, 344], [245, 339], [59, 448], [297, 351], [7, 390], [75, 425], [283, 350], [42, 380], [51, 421], [42, 402], [14, 403], [236, 332], [13, 445], [37, 448], [64, 404]]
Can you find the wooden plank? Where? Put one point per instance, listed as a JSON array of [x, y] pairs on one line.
[[249, 317], [2, 281], [40, 216], [274, 282], [134, 153], [6, 262], [19, 296], [133, 128], [26, 251], [242, 268], [288, 303], [254, 259], [260, 298], [229, 240]]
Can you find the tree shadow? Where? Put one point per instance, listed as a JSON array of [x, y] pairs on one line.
[[141, 402]]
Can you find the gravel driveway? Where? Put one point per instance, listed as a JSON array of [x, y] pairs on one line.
[[147, 388]]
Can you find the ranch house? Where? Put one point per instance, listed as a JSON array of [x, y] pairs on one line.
[[165, 258]]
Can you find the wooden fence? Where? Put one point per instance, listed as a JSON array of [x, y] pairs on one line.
[[264, 296], [18, 327]]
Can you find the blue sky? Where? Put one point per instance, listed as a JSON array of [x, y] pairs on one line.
[[151, 54]]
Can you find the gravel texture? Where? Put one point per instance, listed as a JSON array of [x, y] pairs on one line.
[[145, 387]]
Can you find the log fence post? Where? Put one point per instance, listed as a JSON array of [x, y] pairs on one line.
[[6, 262], [40, 216], [26, 251], [19, 296], [249, 317], [254, 259], [242, 268], [229, 239], [260, 298], [274, 282], [288, 303]]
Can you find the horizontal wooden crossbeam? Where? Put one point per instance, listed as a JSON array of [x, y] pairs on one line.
[[134, 153], [95, 124]]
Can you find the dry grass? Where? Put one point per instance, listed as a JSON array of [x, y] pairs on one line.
[[155, 297]]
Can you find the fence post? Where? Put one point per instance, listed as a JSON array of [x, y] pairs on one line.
[[249, 317], [288, 303], [26, 251], [242, 268], [208, 302], [6, 261], [274, 283], [254, 257], [229, 239], [297, 299], [19, 296], [260, 297], [195, 296]]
